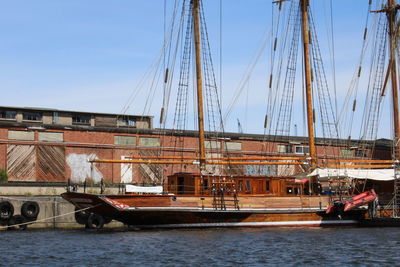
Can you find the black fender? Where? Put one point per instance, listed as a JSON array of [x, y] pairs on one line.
[[6, 211], [81, 216], [30, 210], [95, 221]]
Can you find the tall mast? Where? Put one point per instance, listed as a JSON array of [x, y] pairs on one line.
[[307, 68], [391, 13], [199, 82]]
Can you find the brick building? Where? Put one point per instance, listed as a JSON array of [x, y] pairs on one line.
[[48, 145]]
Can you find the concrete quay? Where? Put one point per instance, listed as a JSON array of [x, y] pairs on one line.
[[55, 212]]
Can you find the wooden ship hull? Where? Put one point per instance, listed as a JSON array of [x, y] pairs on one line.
[[171, 211]]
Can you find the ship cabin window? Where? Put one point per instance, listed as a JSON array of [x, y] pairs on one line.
[[267, 186], [297, 191], [32, 116], [289, 190], [248, 186], [80, 119], [205, 184], [181, 185], [285, 149], [240, 185], [302, 150], [171, 185], [8, 114]]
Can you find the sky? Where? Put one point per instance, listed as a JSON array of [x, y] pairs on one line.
[[91, 55]]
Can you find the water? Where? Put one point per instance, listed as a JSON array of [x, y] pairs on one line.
[[216, 247]]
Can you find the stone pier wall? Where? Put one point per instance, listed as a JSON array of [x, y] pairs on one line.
[[55, 213]]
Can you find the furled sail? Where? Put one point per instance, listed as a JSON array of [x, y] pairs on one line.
[[372, 174]]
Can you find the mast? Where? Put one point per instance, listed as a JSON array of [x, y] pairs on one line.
[[391, 13], [391, 9], [307, 68], [199, 82]]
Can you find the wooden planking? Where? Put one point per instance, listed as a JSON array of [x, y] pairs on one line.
[[51, 163], [286, 170], [144, 201], [150, 172], [21, 160], [305, 202], [262, 201]]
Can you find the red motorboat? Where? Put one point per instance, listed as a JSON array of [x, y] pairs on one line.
[[360, 200], [355, 202]]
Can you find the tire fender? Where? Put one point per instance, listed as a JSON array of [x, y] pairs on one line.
[[95, 221], [6, 211], [81, 217], [30, 210]]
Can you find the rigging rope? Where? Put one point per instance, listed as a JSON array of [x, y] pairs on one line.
[[345, 121]]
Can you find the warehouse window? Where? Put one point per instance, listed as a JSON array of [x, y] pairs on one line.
[[8, 114], [127, 122], [55, 117], [149, 141], [81, 119], [21, 135], [302, 150], [362, 153], [285, 149], [233, 146], [212, 145], [260, 170], [32, 116], [51, 137], [346, 153], [125, 140]]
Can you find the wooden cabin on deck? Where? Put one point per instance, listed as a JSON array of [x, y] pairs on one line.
[[195, 184]]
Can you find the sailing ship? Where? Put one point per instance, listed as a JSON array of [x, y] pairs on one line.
[[205, 199]]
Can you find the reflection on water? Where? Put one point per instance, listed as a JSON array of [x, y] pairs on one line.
[[216, 247]]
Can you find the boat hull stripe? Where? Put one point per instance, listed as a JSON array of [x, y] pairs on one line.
[[252, 224]]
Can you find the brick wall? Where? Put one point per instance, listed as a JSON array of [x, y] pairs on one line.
[[60, 161]]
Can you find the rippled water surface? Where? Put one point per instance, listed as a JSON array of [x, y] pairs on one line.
[[216, 247]]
